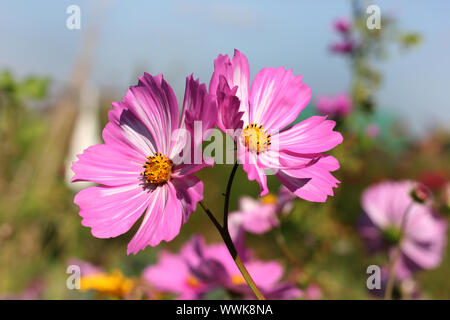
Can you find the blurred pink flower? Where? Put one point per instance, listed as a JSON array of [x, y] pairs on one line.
[[335, 107], [342, 25], [313, 292], [261, 215], [424, 235], [86, 268], [172, 274], [273, 102], [134, 166], [215, 265], [199, 268], [345, 46], [372, 130], [34, 291]]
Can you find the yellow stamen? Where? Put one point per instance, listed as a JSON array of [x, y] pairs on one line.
[[256, 139], [269, 199], [114, 284], [157, 169]]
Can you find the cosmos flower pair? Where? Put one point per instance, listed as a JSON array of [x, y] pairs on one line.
[[136, 168]]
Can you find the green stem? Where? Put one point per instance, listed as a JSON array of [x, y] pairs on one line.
[[225, 234], [227, 195], [392, 265]]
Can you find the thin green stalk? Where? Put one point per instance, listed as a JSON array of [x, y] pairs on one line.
[[392, 265], [225, 234]]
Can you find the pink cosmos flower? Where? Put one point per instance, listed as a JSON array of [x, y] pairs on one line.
[[214, 264], [261, 215], [335, 107], [138, 166], [424, 235], [342, 25], [199, 268], [265, 141], [172, 274]]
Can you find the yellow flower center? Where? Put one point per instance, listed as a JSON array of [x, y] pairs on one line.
[[256, 138], [157, 169], [193, 282], [114, 284], [269, 199], [237, 279]]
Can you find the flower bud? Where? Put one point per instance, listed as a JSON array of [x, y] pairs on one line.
[[420, 193]]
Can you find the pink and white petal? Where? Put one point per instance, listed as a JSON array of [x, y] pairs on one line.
[[198, 117], [432, 229], [229, 116], [397, 202], [313, 183], [237, 73], [277, 97], [111, 211], [183, 170], [248, 204], [189, 191], [261, 220], [252, 167], [313, 135], [130, 135], [426, 255], [255, 172], [265, 274], [107, 165], [198, 105], [375, 203], [286, 159], [154, 103], [162, 220]]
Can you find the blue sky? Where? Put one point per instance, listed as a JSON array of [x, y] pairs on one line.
[[180, 37]]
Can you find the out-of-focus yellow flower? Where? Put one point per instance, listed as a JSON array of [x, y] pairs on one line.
[[113, 284], [269, 199], [193, 282], [237, 279]]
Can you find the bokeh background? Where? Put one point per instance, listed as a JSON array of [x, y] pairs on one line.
[[56, 86]]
